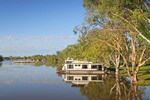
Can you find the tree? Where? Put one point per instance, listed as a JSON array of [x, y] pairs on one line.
[[134, 15], [131, 19], [1, 58]]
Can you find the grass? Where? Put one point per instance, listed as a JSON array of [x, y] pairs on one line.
[[143, 74]]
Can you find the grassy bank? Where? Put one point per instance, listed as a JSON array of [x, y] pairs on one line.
[[143, 74]]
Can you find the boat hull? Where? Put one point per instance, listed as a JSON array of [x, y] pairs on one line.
[[83, 72]]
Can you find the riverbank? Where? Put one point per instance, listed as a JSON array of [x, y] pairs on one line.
[[143, 75]]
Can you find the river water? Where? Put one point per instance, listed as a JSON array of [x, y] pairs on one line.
[[30, 82]]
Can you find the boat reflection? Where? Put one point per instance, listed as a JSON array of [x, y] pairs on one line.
[[82, 80]]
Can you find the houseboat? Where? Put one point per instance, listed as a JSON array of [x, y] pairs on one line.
[[82, 80], [82, 67]]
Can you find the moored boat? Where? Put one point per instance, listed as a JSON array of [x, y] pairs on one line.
[[82, 67]]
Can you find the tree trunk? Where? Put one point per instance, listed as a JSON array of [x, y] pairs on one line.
[[134, 89], [134, 78], [117, 70], [118, 91]]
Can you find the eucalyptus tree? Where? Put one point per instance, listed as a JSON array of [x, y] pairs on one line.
[[133, 14], [128, 16], [89, 46]]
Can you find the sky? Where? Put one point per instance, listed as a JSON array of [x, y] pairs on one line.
[[30, 27]]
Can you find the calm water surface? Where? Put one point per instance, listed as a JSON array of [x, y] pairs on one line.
[[28, 82]]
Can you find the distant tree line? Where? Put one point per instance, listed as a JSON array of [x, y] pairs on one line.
[[36, 58], [1, 58]]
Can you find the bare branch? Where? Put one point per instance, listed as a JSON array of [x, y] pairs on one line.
[[112, 60], [128, 69], [132, 26], [112, 88], [146, 6], [142, 56], [145, 61]]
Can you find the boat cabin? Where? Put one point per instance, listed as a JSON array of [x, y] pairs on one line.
[[82, 66], [75, 66]]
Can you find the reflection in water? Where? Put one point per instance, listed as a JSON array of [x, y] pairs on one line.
[[82, 80], [104, 87], [0, 64], [48, 64]]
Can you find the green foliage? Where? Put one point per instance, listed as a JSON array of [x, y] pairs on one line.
[[1, 58], [133, 15], [15, 58]]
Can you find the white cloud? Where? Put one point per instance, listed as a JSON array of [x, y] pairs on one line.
[[52, 37], [30, 45], [2, 38]]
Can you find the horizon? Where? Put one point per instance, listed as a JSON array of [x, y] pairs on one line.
[[39, 26]]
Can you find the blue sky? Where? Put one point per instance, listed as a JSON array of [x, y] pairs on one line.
[[29, 27]]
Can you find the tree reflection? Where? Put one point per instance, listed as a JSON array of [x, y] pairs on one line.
[[97, 91], [0, 64], [47, 64], [118, 88], [38, 64]]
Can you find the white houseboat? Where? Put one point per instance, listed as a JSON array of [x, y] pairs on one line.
[[77, 67]]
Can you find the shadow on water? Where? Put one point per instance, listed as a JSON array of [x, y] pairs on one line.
[[105, 87], [0, 64]]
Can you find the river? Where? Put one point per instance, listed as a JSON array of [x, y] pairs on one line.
[[30, 82]]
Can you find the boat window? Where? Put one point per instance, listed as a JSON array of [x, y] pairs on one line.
[[68, 61], [77, 79], [75, 65], [99, 67], [84, 78], [94, 78], [70, 78], [84, 66], [70, 66], [100, 77], [94, 66], [78, 65]]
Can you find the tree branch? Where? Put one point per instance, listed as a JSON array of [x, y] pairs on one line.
[[133, 27], [128, 69], [142, 56], [112, 88]]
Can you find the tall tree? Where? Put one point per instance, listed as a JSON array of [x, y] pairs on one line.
[[133, 14], [128, 16]]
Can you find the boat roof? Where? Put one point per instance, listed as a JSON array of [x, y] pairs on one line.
[[85, 63], [80, 62]]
